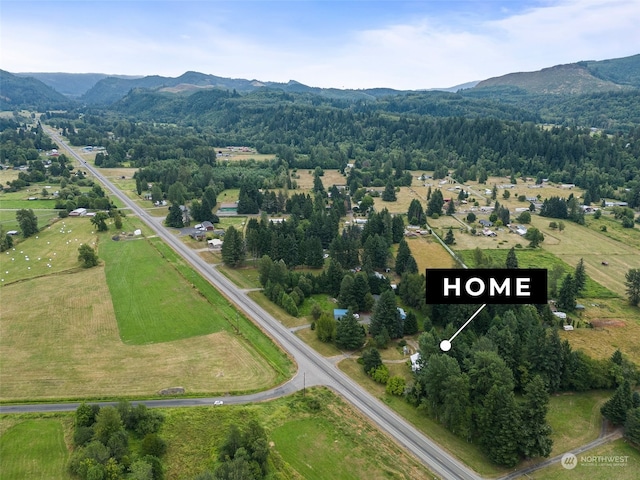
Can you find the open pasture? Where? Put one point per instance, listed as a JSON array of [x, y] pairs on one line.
[[152, 301], [429, 253], [577, 241], [67, 345], [330, 178], [52, 251]]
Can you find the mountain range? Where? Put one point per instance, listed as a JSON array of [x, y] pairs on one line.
[[603, 94]]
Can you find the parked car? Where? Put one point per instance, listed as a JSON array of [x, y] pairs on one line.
[[218, 402]]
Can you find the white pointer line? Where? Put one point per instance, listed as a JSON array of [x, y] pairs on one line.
[[445, 345]]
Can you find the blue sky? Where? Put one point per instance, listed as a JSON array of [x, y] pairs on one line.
[[343, 44]]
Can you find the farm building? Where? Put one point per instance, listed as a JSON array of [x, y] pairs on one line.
[[78, 212], [485, 223], [215, 243], [415, 362], [206, 225]]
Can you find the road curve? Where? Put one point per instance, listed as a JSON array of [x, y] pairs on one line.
[[313, 368]]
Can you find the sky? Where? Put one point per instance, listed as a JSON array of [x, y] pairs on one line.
[[406, 45]]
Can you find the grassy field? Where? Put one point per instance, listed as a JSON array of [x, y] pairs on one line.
[[334, 442], [67, 343], [575, 419], [33, 449], [152, 301], [578, 241], [589, 468]]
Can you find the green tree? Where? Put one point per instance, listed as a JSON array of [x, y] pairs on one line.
[[580, 277], [512, 259], [451, 208], [28, 222], [536, 433], [402, 256], [87, 256], [349, 333], [326, 327], [371, 359], [385, 316], [499, 426], [108, 422], [152, 444], [535, 237], [615, 409], [117, 221], [389, 193], [174, 217], [436, 202], [632, 426], [396, 386], [567, 294], [233, 251], [632, 282], [415, 214], [99, 220], [449, 239], [410, 324]]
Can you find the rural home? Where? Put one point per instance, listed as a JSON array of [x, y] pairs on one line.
[[485, 223], [215, 243], [206, 225], [228, 209]]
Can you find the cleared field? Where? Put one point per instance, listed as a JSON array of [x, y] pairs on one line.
[[330, 178], [578, 241], [617, 326], [305, 443], [54, 250], [71, 348], [575, 419], [429, 253], [151, 300], [34, 449], [9, 222]]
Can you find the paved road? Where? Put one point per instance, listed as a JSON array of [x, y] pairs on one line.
[[313, 369]]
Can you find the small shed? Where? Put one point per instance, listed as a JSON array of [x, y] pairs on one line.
[[560, 315], [215, 243]]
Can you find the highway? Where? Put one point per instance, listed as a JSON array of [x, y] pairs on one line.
[[313, 369]]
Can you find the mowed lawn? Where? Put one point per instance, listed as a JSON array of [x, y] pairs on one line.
[[33, 449], [152, 301]]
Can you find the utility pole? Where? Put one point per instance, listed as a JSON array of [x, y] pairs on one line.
[[304, 383]]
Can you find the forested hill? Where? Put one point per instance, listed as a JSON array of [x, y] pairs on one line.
[[575, 78], [18, 92]]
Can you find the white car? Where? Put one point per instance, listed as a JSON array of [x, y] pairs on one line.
[[218, 402]]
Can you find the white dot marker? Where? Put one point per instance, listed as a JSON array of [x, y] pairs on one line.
[[445, 345]]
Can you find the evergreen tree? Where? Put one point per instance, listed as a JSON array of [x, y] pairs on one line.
[[535, 440], [349, 333], [174, 217], [449, 239], [233, 251], [385, 315], [410, 324], [615, 409], [632, 426], [397, 229], [567, 294], [346, 299], [632, 282], [389, 193], [499, 426], [402, 256], [512, 259], [371, 359], [451, 209], [436, 202], [415, 214], [314, 253], [580, 277]]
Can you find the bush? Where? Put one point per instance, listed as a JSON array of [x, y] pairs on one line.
[[396, 386], [380, 374], [153, 445]]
